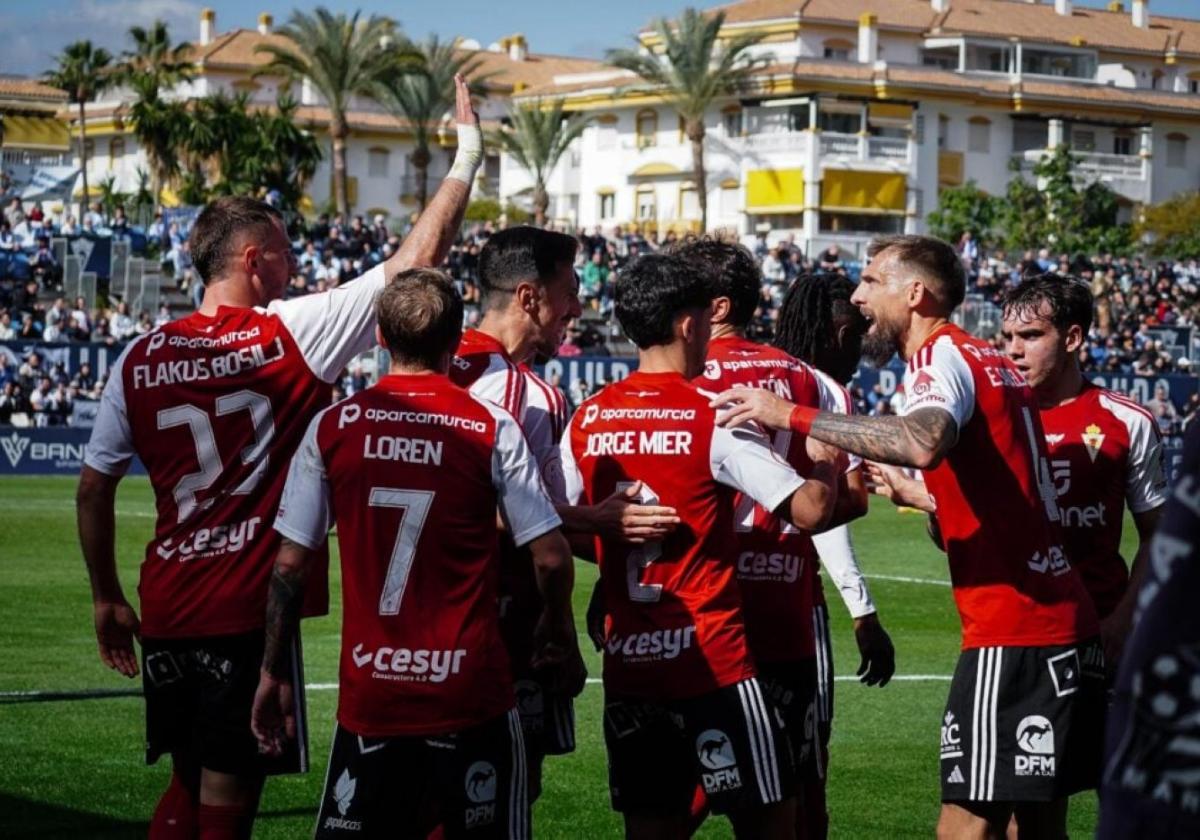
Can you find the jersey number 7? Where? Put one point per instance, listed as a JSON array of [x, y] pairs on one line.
[[414, 505]]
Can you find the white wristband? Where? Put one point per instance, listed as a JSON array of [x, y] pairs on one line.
[[469, 156]]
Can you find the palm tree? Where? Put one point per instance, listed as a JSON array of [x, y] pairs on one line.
[[423, 98], [536, 139], [160, 127], [83, 72], [693, 70], [341, 57], [153, 67], [154, 56]]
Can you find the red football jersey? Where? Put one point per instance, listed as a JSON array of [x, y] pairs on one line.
[[215, 407], [1105, 453], [776, 562], [996, 508], [483, 366], [413, 470], [675, 624]]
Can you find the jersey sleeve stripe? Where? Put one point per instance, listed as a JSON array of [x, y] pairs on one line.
[[1130, 404]]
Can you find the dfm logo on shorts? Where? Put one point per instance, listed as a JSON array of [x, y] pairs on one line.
[[720, 765], [1035, 736], [480, 787]]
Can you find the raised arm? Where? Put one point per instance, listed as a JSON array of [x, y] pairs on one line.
[[430, 239]]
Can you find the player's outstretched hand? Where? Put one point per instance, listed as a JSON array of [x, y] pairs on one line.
[[741, 405], [878, 656], [595, 616], [273, 717], [117, 626], [894, 484], [464, 110], [622, 517]]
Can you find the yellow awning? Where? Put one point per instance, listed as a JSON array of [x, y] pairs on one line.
[[45, 133], [651, 169], [846, 189], [775, 191], [889, 111]]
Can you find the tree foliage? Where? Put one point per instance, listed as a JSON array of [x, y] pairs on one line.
[[82, 71], [1056, 210], [424, 99], [693, 68], [962, 209], [1172, 229], [537, 137], [342, 56]]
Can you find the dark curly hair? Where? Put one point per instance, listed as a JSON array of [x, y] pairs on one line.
[[735, 274], [808, 323], [1070, 300], [653, 291]]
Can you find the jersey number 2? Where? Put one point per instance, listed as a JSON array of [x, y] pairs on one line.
[[414, 505], [207, 454], [642, 555]]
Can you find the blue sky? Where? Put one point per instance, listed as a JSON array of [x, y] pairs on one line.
[[33, 31]]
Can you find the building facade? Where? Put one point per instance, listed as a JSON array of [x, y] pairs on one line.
[[381, 175], [861, 111]]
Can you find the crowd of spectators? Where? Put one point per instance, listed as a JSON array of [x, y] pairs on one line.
[[1134, 298]]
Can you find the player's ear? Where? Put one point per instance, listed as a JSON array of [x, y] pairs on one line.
[[685, 327], [527, 296], [720, 310], [379, 337], [1074, 338]]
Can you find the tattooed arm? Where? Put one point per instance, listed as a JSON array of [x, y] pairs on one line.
[[920, 439], [284, 600], [273, 718]]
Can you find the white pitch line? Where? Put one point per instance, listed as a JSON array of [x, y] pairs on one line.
[[37, 695], [597, 680], [902, 579]]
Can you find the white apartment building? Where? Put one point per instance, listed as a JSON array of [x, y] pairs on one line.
[[864, 110], [381, 175]]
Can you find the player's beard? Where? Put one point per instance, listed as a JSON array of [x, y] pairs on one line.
[[880, 343]]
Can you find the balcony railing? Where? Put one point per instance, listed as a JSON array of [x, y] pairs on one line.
[[888, 148], [835, 145], [777, 141], [1097, 164]]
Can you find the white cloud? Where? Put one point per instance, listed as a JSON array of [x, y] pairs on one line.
[[31, 44]]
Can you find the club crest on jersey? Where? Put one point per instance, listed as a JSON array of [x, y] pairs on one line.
[[712, 369], [1093, 439], [922, 384]]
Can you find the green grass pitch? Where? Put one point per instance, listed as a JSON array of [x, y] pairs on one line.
[[75, 768]]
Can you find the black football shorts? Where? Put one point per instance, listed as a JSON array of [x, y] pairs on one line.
[[791, 688], [1024, 724], [729, 741], [472, 782], [199, 693]]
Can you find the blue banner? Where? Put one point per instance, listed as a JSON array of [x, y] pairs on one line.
[[57, 451]]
